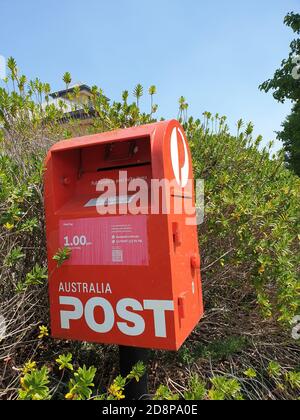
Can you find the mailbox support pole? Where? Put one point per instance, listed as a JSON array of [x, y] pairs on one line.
[[129, 357]]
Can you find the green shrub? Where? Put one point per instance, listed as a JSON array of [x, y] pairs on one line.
[[216, 350], [221, 388], [196, 389], [225, 389], [35, 382], [249, 239], [251, 229], [35, 385], [163, 393]]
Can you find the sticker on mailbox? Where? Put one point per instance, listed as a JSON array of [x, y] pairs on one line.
[[106, 241]]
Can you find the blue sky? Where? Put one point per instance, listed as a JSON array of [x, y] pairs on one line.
[[213, 53]]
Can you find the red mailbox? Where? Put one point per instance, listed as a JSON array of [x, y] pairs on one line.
[[133, 275]]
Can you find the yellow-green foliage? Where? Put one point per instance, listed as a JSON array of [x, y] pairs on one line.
[[35, 383], [252, 215], [252, 202], [227, 387], [249, 239]]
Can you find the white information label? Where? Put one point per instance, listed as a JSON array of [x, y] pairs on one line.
[[115, 200]]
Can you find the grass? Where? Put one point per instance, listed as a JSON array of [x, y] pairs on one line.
[[217, 350]]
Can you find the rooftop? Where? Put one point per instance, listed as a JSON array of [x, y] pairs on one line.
[[63, 93]]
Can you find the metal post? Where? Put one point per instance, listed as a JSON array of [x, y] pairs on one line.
[[129, 357]]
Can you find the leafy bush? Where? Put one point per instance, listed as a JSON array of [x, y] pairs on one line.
[[196, 389], [249, 239], [227, 387], [35, 385], [221, 388], [216, 350], [35, 382]]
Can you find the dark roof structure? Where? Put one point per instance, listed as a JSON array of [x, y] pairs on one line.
[[65, 92], [82, 113]]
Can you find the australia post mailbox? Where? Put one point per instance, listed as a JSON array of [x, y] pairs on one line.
[[122, 204]]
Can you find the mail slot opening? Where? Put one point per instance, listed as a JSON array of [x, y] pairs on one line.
[[78, 171], [125, 150], [115, 154]]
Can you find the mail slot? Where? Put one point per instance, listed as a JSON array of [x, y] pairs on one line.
[[122, 204]]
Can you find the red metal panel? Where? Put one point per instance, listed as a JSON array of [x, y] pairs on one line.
[[131, 279]]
